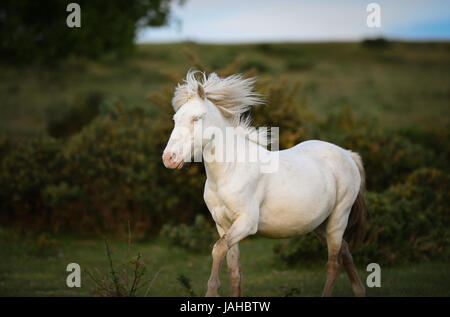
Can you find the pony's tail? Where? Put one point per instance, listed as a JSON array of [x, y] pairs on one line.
[[357, 221]]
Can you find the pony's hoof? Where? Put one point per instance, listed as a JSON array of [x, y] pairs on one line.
[[360, 294], [212, 294]]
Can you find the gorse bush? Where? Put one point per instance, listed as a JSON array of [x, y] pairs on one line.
[[299, 64], [257, 63], [97, 180], [110, 160], [26, 169], [301, 249], [409, 221], [200, 236], [39, 246], [69, 122], [377, 43], [388, 156]]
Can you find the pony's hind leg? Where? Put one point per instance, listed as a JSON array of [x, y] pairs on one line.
[[333, 265], [347, 260], [335, 229], [334, 258]]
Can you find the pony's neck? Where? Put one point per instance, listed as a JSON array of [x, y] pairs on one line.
[[222, 158], [215, 169], [235, 146]]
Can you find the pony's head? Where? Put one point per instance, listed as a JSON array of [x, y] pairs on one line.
[[203, 106]]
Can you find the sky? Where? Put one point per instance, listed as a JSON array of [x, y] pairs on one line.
[[241, 21]]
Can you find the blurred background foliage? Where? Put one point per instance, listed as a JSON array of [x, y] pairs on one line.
[[98, 165], [35, 31], [81, 141]]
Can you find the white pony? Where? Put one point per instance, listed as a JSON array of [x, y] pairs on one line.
[[317, 186]]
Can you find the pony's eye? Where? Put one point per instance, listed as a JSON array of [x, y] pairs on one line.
[[195, 119]]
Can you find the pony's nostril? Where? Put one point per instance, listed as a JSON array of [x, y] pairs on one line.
[[167, 157], [173, 157]]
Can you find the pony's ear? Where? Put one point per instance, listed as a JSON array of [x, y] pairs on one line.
[[201, 91]]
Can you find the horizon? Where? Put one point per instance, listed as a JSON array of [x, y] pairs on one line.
[[331, 41]]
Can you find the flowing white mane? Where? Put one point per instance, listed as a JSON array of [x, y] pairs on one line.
[[232, 95]]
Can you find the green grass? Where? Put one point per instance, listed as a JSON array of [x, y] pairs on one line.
[[406, 84], [29, 270]]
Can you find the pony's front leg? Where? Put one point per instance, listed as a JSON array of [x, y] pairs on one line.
[[234, 267], [241, 228], [234, 271]]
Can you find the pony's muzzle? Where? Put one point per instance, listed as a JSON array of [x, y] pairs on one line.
[[172, 160]]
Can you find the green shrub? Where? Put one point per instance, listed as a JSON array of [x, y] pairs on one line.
[[257, 63], [281, 50], [434, 139], [17, 243], [99, 179], [409, 221], [26, 169], [284, 109], [388, 156], [200, 236], [117, 162], [5, 146], [301, 249], [377, 43], [298, 64], [71, 120]]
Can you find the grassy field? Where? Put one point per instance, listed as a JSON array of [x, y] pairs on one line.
[[405, 84], [30, 268]]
